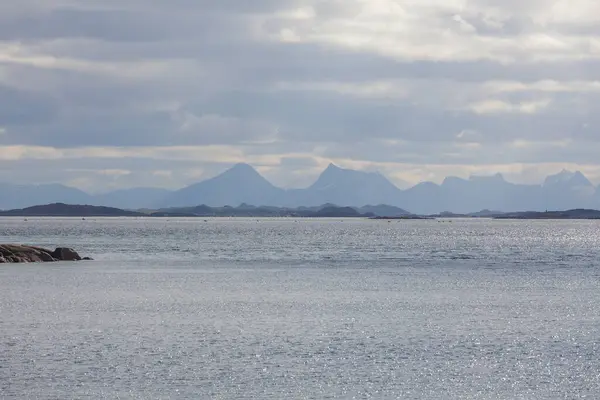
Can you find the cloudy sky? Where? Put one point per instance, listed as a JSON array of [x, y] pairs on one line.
[[104, 94]]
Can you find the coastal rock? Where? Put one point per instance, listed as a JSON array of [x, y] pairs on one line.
[[21, 254], [45, 256], [66, 254], [16, 253]]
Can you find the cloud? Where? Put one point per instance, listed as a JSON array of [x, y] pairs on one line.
[[499, 106], [290, 85]]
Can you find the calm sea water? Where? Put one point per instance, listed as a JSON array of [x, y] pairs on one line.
[[307, 309]]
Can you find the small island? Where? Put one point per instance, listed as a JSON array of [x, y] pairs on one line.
[[401, 217], [579, 213], [244, 210], [18, 253]]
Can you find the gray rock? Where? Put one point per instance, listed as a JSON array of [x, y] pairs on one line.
[[66, 254], [23, 254], [16, 253]]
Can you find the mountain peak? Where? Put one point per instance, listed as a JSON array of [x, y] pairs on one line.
[[239, 184], [566, 177], [579, 179], [241, 170], [332, 169], [350, 187], [333, 174], [242, 167]]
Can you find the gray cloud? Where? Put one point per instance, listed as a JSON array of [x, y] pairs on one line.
[[292, 84]]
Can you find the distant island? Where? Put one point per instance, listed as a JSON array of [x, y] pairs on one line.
[[569, 214], [69, 210], [402, 217], [247, 210], [380, 212]]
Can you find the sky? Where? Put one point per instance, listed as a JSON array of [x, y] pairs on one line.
[[106, 94]]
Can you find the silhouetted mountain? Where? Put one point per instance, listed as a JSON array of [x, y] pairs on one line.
[[240, 184], [478, 192], [347, 187], [135, 198], [422, 198], [243, 185], [21, 196], [567, 190], [567, 179]]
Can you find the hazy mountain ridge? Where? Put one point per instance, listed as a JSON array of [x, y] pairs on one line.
[[342, 187], [23, 196]]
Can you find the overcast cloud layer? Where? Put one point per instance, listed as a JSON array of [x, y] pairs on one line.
[[105, 94]]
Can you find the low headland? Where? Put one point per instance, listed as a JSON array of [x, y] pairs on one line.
[[69, 210], [580, 213], [379, 212]]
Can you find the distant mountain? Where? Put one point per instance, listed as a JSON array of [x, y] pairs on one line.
[[423, 198], [69, 210], [466, 195], [20, 196], [347, 187], [567, 178], [243, 185], [135, 198], [567, 190], [240, 184]]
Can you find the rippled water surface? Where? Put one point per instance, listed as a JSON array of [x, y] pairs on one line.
[[306, 309]]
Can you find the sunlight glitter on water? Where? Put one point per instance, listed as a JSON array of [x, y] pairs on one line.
[[322, 308]]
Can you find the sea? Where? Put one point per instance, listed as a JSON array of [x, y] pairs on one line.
[[247, 308]]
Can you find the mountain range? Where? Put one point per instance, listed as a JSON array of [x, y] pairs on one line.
[[242, 184]]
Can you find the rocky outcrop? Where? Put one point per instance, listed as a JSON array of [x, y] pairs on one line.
[[66, 254], [16, 253]]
